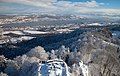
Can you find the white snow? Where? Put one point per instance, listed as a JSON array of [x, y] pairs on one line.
[[64, 30], [35, 32], [109, 43], [23, 38], [26, 38], [54, 67], [25, 31], [84, 68], [14, 32], [94, 24]]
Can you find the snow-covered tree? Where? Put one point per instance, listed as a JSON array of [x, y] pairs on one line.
[[38, 52], [76, 70], [52, 55], [3, 74], [12, 68], [27, 65]]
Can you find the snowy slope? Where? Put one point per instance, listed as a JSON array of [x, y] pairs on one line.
[[14, 32], [24, 32], [35, 32], [54, 67]]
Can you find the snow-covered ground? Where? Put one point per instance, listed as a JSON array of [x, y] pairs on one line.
[[16, 40], [64, 30], [54, 67], [58, 67], [23, 38], [24, 32], [14, 32], [95, 24], [34, 32], [84, 68]]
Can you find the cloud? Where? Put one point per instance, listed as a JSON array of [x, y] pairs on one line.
[[63, 7], [55, 3], [41, 3], [88, 4], [4, 8]]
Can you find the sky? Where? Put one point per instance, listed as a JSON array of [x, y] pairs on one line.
[[79, 7]]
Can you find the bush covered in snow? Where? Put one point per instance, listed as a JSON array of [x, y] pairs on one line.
[[38, 52]]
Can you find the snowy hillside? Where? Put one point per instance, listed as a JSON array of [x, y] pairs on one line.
[[94, 53], [25, 32]]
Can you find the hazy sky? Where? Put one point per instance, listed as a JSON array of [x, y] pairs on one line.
[[96, 7]]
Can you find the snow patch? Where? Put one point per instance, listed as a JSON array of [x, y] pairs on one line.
[[23, 38], [84, 69], [64, 30], [35, 32], [14, 32], [95, 24]]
